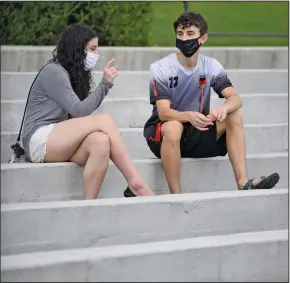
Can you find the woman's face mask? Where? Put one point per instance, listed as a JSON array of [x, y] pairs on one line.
[[91, 60]]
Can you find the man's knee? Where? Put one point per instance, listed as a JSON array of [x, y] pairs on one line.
[[220, 128], [234, 119], [98, 142], [172, 131]]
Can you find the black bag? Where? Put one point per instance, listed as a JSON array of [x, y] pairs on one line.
[[18, 153]]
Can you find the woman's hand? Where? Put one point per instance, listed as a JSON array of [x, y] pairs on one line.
[[110, 72]]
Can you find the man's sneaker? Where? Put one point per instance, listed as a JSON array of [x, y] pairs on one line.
[[128, 193]]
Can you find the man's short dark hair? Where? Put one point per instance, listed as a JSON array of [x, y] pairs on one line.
[[188, 19]]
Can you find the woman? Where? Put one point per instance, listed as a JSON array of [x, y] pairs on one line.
[[58, 124]]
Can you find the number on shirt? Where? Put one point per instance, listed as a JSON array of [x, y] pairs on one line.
[[173, 82]]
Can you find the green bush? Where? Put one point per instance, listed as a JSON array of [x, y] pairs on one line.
[[40, 23]]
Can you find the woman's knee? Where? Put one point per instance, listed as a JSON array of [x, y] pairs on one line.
[[98, 142], [172, 130], [106, 120]]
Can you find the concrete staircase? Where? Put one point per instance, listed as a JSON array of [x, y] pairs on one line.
[[211, 233]]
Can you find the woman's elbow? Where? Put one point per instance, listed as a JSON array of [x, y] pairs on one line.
[[79, 113]]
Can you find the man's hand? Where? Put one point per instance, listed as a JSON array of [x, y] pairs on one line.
[[198, 120], [110, 73], [219, 113]]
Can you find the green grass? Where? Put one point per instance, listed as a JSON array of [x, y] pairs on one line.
[[265, 17]]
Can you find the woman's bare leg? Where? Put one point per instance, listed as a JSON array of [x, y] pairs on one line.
[[67, 136], [94, 153]]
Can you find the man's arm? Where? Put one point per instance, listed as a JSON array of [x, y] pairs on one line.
[[197, 119], [167, 114], [233, 100], [159, 96], [224, 88]]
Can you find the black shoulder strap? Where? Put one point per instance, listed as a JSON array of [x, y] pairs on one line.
[[19, 135]]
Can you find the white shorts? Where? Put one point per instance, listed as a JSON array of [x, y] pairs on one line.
[[37, 144]]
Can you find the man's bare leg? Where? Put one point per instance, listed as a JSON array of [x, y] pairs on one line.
[[170, 154], [236, 146]]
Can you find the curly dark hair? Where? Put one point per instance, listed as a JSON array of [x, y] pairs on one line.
[[70, 53], [188, 19]]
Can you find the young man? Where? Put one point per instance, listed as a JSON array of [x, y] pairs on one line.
[[182, 124]]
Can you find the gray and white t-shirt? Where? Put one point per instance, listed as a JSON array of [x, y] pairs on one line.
[[169, 80]]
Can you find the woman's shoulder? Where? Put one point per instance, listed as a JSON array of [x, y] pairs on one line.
[[53, 68]]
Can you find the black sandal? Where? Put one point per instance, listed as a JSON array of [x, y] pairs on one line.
[[266, 183], [128, 193]]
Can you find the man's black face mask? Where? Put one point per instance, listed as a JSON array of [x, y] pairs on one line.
[[188, 47]]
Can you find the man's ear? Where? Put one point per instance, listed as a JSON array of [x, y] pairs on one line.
[[204, 38]]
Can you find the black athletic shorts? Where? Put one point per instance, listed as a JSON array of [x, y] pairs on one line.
[[193, 143]]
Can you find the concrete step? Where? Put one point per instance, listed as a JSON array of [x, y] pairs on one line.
[[31, 58], [244, 257], [132, 221], [16, 85], [27, 182], [259, 139], [134, 112]]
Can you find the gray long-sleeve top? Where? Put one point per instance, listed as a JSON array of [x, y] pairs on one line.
[[52, 100]]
